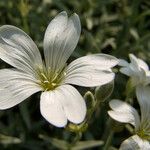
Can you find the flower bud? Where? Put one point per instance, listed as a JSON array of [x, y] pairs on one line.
[[90, 100]]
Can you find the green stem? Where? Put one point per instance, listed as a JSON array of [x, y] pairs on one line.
[[108, 141], [75, 140], [107, 129], [89, 116]]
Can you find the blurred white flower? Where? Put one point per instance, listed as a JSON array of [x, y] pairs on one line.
[[138, 70], [135, 143], [123, 112], [59, 100]]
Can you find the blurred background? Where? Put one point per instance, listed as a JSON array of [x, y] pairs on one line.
[[115, 27]]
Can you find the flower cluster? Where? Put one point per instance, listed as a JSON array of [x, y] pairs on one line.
[[139, 74], [125, 113], [60, 102]]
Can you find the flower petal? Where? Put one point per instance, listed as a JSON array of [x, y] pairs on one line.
[[61, 104], [124, 113], [143, 65], [125, 67], [147, 78], [135, 143], [61, 37], [143, 96], [134, 63], [51, 108], [18, 49], [138, 70], [73, 103], [91, 70], [15, 86], [126, 70], [138, 63], [123, 63]]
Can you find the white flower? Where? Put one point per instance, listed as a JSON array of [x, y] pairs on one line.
[[60, 101], [135, 143], [138, 70], [125, 113]]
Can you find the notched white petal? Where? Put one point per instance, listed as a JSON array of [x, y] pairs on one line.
[[61, 104], [135, 143], [123, 112], [60, 40], [18, 49], [91, 78], [143, 65], [15, 86], [72, 102], [134, 60], [143, 96], [91, 70]]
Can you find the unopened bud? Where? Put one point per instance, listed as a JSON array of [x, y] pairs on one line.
[[90, 100]]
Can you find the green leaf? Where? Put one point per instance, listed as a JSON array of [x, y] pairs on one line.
[[61, 144], [9, 140], [87, 144]]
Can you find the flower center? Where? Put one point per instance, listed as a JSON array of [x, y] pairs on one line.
[[144, 134], [49, 80]]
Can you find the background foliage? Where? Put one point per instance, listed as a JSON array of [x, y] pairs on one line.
[[116, 27]]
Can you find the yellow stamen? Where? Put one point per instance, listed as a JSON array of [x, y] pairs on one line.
[[49, 80]]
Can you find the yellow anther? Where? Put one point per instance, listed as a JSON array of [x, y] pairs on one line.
[[54, 84], [49, 79], [46, 81]]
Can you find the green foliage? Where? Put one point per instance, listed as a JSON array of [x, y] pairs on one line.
[[116, 27]]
